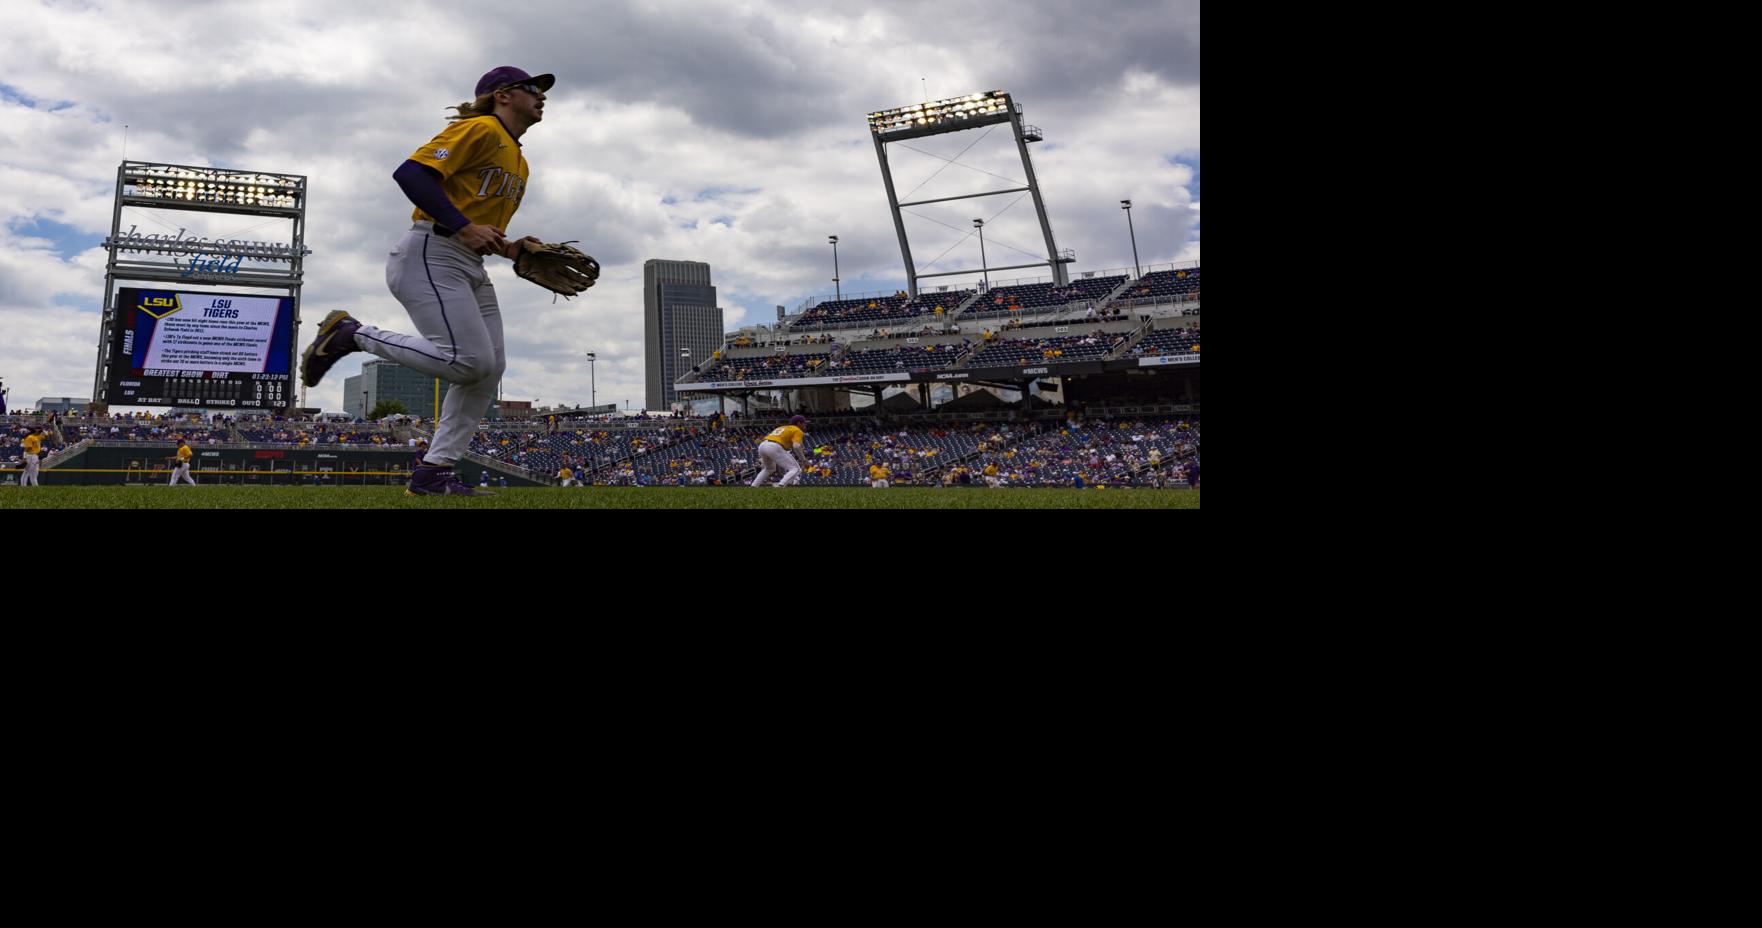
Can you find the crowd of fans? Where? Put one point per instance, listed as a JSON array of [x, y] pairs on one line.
[[905, 358], [1161, 284], [320, 434], [544, 452], [1079, 452], [1030, 297], [840, 451], [1166, 343], [1058, 349], [170, 430], [768, 367], [890, 311], [1076, 452]]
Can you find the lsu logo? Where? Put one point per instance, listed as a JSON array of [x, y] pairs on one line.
[[440, 154], [160, 306]]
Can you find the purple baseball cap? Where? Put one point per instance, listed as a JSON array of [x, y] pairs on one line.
[[508, 74]]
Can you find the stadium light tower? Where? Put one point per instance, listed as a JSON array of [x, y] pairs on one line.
[[838, 292], [984, 275], [973, 111], [1127, 206]]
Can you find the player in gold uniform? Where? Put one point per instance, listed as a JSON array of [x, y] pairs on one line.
[[782, 449], [466, 184], [183, 465]]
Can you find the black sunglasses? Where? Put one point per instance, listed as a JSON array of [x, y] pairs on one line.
[[529, 88]]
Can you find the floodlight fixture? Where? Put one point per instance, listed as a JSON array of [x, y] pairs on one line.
[[947, 113], [957, 114]]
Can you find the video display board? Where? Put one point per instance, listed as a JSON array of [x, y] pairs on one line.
[[209, 350]]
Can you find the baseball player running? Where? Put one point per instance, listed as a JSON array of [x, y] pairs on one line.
[[466, 184], [183, 465], [782, 449]]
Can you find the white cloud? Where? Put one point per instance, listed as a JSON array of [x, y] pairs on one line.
[[684, 130]]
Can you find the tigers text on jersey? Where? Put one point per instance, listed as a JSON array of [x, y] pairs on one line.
[[787, 435], [482, 170]]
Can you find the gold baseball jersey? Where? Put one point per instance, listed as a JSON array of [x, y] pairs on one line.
[[788, 436], [482, 170], [33, 444], [183, 454], [564, 474], [877, 472]]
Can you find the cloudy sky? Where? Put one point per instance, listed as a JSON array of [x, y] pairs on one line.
[[705, 130]]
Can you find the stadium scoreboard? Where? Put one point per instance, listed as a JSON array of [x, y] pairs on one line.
[[209, 350]]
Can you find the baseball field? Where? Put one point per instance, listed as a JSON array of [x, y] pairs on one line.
[[222, 497]]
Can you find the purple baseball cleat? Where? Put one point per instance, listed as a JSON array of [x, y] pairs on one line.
[[439, 480], [336, 337]]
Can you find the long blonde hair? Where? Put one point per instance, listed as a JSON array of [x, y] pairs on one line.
[[482, 106]]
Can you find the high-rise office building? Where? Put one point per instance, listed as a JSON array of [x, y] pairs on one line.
[[682, 324]]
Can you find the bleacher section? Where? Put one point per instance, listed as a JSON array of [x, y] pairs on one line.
[[1061, 349], [306, 433], [838, 454], [905, 358], [1165, 342], [890, 312], [168, 431], [543, 453], [1161, 285], [1027, 298], [766, 367], [1101, 452]]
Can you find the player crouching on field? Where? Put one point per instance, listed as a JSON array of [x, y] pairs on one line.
[[782, 449]]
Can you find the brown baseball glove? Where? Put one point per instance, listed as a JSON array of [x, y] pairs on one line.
[[558, 268]]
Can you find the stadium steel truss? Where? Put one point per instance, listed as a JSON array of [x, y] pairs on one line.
[[202, 262], [959, 114]]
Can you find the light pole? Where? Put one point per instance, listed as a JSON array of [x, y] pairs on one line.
[[592, 391], [837, 289], [984, 274], [684, 360], [1127, 206]]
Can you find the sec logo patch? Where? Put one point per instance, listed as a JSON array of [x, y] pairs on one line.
[[440, 154]]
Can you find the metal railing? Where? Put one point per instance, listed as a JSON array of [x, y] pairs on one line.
[[1186, 301]]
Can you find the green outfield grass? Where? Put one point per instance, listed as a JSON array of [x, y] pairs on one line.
[[184, 497]]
